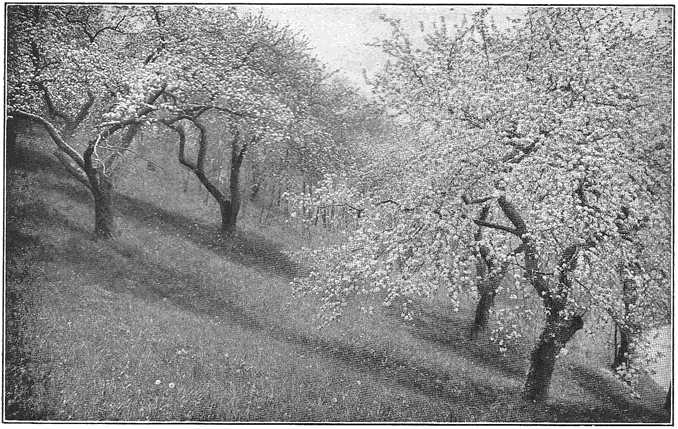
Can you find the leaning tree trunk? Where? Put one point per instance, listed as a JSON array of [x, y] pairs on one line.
[[557, 332], [487, 289], [560, 326], [104, 223], [488, 280]]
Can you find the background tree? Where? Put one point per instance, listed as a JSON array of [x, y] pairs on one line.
[[238, 72]]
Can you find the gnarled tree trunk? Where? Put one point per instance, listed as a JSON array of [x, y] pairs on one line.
[[489, 277], [557, 332], [229, 207], [101, 187], [560, 324]]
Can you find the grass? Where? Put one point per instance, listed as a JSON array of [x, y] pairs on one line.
[[98, 330]]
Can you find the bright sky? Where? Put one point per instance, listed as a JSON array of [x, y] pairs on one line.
[[339, 33]]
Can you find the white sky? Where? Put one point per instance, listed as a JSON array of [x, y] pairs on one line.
[[339, 33]]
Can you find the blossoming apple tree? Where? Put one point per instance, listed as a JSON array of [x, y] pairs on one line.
[[242, 77], [541, 153], [70, 72]]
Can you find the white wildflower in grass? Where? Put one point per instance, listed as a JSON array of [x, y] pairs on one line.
[[157, 382], [171, 385]]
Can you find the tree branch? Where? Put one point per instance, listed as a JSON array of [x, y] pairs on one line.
[[82, 113], [179, 129], [49, 103], [469, 201], [496, 226], [54, 134], [73, 170]]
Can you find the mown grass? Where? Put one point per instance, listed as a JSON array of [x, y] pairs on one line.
[[98, 330]]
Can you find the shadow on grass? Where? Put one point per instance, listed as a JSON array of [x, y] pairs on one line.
[[153, 282], [126, 271], [452, 332], [611, 391], [249, 249]]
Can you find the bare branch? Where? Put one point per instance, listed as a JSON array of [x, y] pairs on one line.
[[72, 169], [179, 129], [469, 201], [496, 226], [82, 113], [54, 134], [49, 103]]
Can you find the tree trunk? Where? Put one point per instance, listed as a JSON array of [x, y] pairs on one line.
[[487, 280], [621, 356], [487, 291], [227, 220], [557, 332], [230, 209], [104, 222], [667, 403], [629, 329]]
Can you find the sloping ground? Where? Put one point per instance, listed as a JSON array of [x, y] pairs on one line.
[[170, 322]]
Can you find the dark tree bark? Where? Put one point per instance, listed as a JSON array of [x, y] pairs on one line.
[[255, 182], [90, 170], [667, 402], [560, 326], [229, 207], [104, 222], [557, 332], [487, 290], [101, 187], [621, 355], [229, 218], [489, 277], [628, 329]]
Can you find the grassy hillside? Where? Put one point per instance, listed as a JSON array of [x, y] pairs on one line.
[[170, 322]]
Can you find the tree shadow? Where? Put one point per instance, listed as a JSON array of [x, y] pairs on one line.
[[614, 392], [153, 282], [247, 248], [135, 274], [150, 281], [452, 333]]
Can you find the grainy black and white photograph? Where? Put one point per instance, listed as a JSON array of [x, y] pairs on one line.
[[358, 213]]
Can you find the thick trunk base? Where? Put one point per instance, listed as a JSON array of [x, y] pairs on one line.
[[553, 338], [104, 221], [229, 217]]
